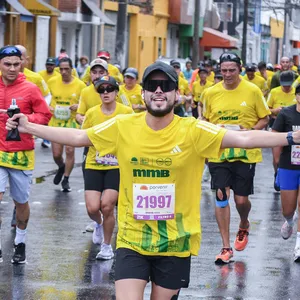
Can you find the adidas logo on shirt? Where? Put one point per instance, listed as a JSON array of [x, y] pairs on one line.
[[243, 103], [176, 149]]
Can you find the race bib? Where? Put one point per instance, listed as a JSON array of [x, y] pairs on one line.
[[107, 160], [62, 112], [153, 201], [295, 155], [230, 126]]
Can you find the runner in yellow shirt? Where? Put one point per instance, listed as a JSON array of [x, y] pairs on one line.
[[112, 70], [130, 92], [89, 97], [279, 97], [101, 173], [65, 90], [255, 79], [49, 72], [234, 104], [159, 156]]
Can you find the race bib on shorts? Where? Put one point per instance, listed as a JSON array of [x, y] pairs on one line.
[[107, 160], [62, 112], [295, 155], [153, 201]]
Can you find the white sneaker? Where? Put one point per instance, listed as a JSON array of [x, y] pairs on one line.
[[297, 254], [106, 252], [98, 234], [90, 227], [206, 174], [286, 230]]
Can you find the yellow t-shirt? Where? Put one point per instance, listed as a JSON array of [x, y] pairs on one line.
[[129, 97], [21, 160], [211, 77], [278, 98], [63, 96], [88, 99], [157, 168], [243, 106], [112, 71], [74, 72], [93, 117], [198, 89], [183, 86], [38, 80], [296, 82], [258, 81], [46, 76]]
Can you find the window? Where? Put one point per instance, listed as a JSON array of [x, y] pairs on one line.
[[225, 12]]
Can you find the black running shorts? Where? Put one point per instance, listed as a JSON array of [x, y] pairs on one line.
[[237, 175], [169, 272], [100, 180]]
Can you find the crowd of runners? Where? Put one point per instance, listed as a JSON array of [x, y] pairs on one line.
[[208, 122]]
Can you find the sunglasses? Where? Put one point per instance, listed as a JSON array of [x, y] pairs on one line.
[[108, 89], [229, 57], [165, 85], [9, 50]]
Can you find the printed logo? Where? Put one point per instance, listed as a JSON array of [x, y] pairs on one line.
[[150, 173], [134, 161], [243, 103], [176, 149]]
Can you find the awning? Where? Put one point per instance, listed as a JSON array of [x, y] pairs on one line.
[[42, 8], [25, 15], [98, 12], [216, 39]]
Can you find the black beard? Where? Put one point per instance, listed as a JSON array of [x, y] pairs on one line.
[[160, 113]]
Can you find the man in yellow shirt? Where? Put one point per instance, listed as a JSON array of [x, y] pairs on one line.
[[210, 73], [130, 93], [279, 97], [112, 70], [49, 72], [65, 90], [237, 105], [255, 79], [101, 173], [159, 155], [89, 96]]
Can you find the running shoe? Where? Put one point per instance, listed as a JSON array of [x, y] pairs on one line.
[[241, 239], [19, 256], [46, 144], [297, 254], [98, 234], [1, 259], [286, 230], [13, 222], [90, 227], [224, 257], [65, 186], [106, 252], [59, 175], [276, 186]]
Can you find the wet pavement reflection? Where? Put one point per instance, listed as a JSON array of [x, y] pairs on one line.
[[61, 256]]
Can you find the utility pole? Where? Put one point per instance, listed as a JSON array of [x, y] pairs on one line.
[[286, 36], [120, 50], [195, 55], [225, 27], [244, 43]]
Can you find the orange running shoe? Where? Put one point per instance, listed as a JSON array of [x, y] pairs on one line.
[[241, 239], [224, 257]]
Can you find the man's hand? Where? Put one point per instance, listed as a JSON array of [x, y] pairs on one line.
[[296, 136], [22, 123], [74, 107], [277, 110]]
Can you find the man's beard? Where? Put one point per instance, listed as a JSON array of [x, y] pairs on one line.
[[160, 113]]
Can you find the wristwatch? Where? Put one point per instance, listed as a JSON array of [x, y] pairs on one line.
[[290, 139]]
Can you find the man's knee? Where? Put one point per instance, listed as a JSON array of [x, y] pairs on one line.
[[222, 197]]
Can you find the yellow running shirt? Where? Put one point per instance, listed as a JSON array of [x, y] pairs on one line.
[[38, 80], [21, 160], [93, 117], [88, 99], [183, 86], [46, 76], [243, 106], [199, 89], [278, 98], [258, 81], [129, 97], [158, 211], [296, 82], [64, 96]]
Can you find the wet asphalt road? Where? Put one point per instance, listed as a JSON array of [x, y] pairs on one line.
[[61, 256]]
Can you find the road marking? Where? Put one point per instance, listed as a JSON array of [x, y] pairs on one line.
[[81, 203], [36, 202]]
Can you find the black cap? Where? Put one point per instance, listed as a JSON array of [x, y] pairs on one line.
[[250, 68], [201, 69], [106, 80], [208, 63], [175, 63], [286, 78], [230, 56], [218, 75], [163, 67], [132, 72], [10, 51], [51, 61]]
